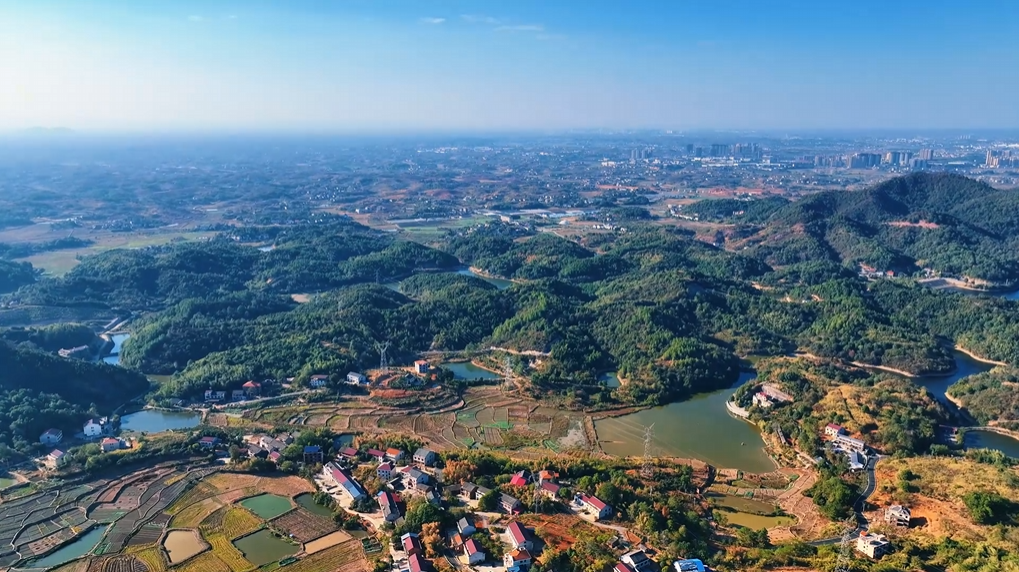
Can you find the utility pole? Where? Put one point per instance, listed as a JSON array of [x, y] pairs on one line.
[[383, 362]]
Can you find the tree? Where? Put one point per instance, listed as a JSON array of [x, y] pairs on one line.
[[751, 538], [431, 539], [989, 507], [489, 501]]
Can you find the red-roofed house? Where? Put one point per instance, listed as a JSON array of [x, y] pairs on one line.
[[421, 366], [252, 388], [595, 505], [385, 471], [419, 564], [833, 430], [472, 548], [208, 442], [411, 543], [377, 455], [519, 480], [549, 489], [109, 444], [348, 452], [518, 536], [621, 567], [518, 558], [394, 454]]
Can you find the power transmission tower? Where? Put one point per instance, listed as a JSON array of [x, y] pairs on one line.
[[383, 362], [846, 548], [536, 481], [647, 469]]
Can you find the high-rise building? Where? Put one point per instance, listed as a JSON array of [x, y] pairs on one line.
[[689, 148], [991, 161], [926, 154]]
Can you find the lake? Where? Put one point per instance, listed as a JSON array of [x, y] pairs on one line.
[[267, 506], [698, 428], [467, 370], [74, 549], [182, 544], [264, 547], [157, 420], [995, 441], [307, 500], [114, 357], [499, 283]]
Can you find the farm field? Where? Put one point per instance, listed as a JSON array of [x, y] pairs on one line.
[[142, 508]]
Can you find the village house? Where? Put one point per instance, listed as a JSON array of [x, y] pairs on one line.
[[348, 452], [256, 452], [519, 479], [384, 471], [898, 515], [51, 437], [55, 459], [313, 455], [833, 430], [271, 443], [394, 454], [95, 427], [110, 444], [411, 543], [465, 527], [547, 476], [211, 395], [508, 504], [433, 497], [377, 455], [518, 537], [354, 378], [417, 563], [520, 559], [343, 480], [286, 438], [208, 442], [621, 567], [761, 400], [79, 352], [252, 388], [857, 462], [850, 444], [595, 505], [275, 456], [424, 457], [318, 381], [549, 489], [637, 560], [237, 395], [688, 565], [421, 366], [473, 551], [388, 505], [416, 476], [873, 545]]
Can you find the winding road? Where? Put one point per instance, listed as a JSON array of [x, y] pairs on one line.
[[861, 521]]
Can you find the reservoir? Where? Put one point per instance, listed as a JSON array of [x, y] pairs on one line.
[[264, 547], [964, 365], [499, 283], [157, 421], [467, 370], [114, 357], [698, 428], [994, 441], [74, 549]]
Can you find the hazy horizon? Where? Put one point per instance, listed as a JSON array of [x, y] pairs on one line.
[[464, 67]]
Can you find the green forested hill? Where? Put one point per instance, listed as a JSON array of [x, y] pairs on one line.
[[14, 275], [945, 222], [39, 390]]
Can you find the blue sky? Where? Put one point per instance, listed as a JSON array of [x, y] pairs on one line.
[[376, 65]]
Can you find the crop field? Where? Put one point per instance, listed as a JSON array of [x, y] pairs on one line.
[[344, 557], [302, 525], [228, 553]]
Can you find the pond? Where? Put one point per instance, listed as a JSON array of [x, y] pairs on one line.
[[698, 428], [157, 420], [74, 549], [6, 481], [499, 283], [264, 547], [609, 379], [307, 500], [182, 544], [114, 357], [467, 370], [267, 506], [748, 512]]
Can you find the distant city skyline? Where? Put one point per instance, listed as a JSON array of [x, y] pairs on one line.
[[469, 66]]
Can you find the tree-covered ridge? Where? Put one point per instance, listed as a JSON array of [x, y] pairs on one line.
[[304, 259], [948, 223], [39, 390], [991, 396], [14, 275]]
